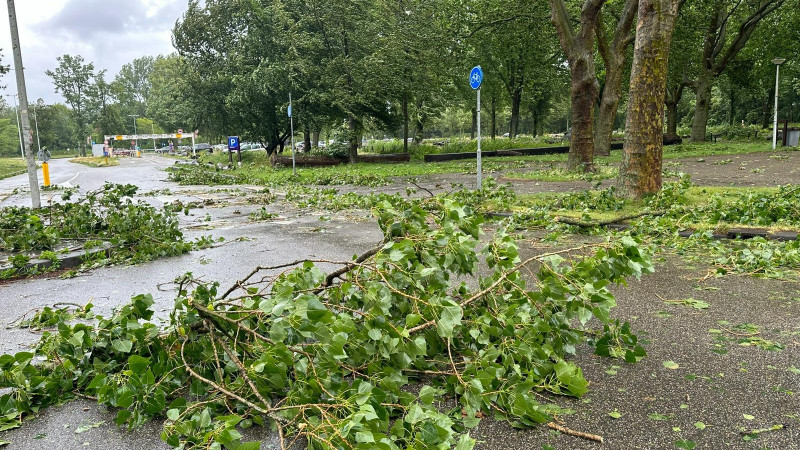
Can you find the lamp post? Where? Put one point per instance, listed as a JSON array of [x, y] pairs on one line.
[[153, 130], [777, 62], [135, 139], [19, 130]]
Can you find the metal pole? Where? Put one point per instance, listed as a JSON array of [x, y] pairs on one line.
[[19, 129], [479, 139], [291, 126], [33, 176], [36, 120], [153, 129], [775, 126]]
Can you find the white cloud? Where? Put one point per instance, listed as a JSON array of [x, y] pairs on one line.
[[108, 33]]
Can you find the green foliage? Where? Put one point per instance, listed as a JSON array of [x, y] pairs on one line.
[[335, 363], [137, 231], [10, 167]]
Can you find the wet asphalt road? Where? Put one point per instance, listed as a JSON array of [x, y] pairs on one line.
[[717, 390], [291, 237]]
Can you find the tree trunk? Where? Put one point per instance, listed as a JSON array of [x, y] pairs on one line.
[[474, 124], [516, 100], [584, 95], [306, 140], [405, 123], [640, 171], [315, 138], [702, 106], [354, 128], [494, 118], [607, 112], [672, 118], [420, 124]]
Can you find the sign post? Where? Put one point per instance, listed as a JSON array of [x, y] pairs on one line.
[[291, 125], [233, 145], [475, 82]]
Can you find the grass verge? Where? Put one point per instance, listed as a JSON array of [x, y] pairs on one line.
[[96, 161], [10, 167]]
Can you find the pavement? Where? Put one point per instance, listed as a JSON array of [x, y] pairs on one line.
[[705, 400]]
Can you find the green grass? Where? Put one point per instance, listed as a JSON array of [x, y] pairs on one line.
[[256, 168], [96, 161], [10, 167]]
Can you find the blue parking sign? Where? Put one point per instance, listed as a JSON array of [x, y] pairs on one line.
[[233, 143]]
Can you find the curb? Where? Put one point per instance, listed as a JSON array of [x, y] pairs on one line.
[[66, 261]]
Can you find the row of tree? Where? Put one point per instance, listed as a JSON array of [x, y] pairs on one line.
[[400, 67]]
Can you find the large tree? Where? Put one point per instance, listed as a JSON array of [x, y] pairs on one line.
[[613, 50], [730, 25], [132, 85], [578, 47], [74, 79], [640, 171]]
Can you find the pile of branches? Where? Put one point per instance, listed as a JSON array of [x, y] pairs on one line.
[[387, 350]]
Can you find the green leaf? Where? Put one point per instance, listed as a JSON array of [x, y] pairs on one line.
[[687, 445], [748, 417], [122, 345], [700, 425], [657, 416], [465, 443], [672, 365], [449, 319], [615, 414], [173, 414], [138, 364], [364, 436], [427, 394]]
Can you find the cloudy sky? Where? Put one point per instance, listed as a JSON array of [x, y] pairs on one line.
[[108, 33]]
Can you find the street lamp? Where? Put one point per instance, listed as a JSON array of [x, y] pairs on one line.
[[777, 62], [135, 139], [19, 130]]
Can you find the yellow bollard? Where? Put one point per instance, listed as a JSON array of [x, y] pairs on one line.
[[46, 174], [138, 154]]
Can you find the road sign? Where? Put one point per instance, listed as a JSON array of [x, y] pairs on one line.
[[290, 110], [233, 143], [476, 77]]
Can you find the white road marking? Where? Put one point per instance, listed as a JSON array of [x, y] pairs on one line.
[[69, 183]]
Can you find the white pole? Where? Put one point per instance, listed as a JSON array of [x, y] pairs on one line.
[[775, 127], [153, 129], [479, 139], [194, 149], [291, 125], [22, 91]]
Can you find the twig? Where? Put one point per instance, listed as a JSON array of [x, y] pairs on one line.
[[339, 272], [580, 434], [424, 189]]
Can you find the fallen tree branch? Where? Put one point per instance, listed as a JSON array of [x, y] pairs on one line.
[[604, 223], [580, 434]]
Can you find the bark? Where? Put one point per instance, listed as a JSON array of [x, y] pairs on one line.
[[516, 101], [474, 123], [354, 128], [422, 117], [671, 100], [584, 94], [702, 106], [494, 117], [306, 140], [405, 123], [613, 55], [640, 171], [579, 50], [315, 138]]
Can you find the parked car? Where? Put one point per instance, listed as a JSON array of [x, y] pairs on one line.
[[204, 147]]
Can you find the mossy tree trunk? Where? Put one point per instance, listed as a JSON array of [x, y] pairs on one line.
[[640, 171]]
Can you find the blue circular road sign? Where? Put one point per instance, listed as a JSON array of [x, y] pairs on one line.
[[476, 77]]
